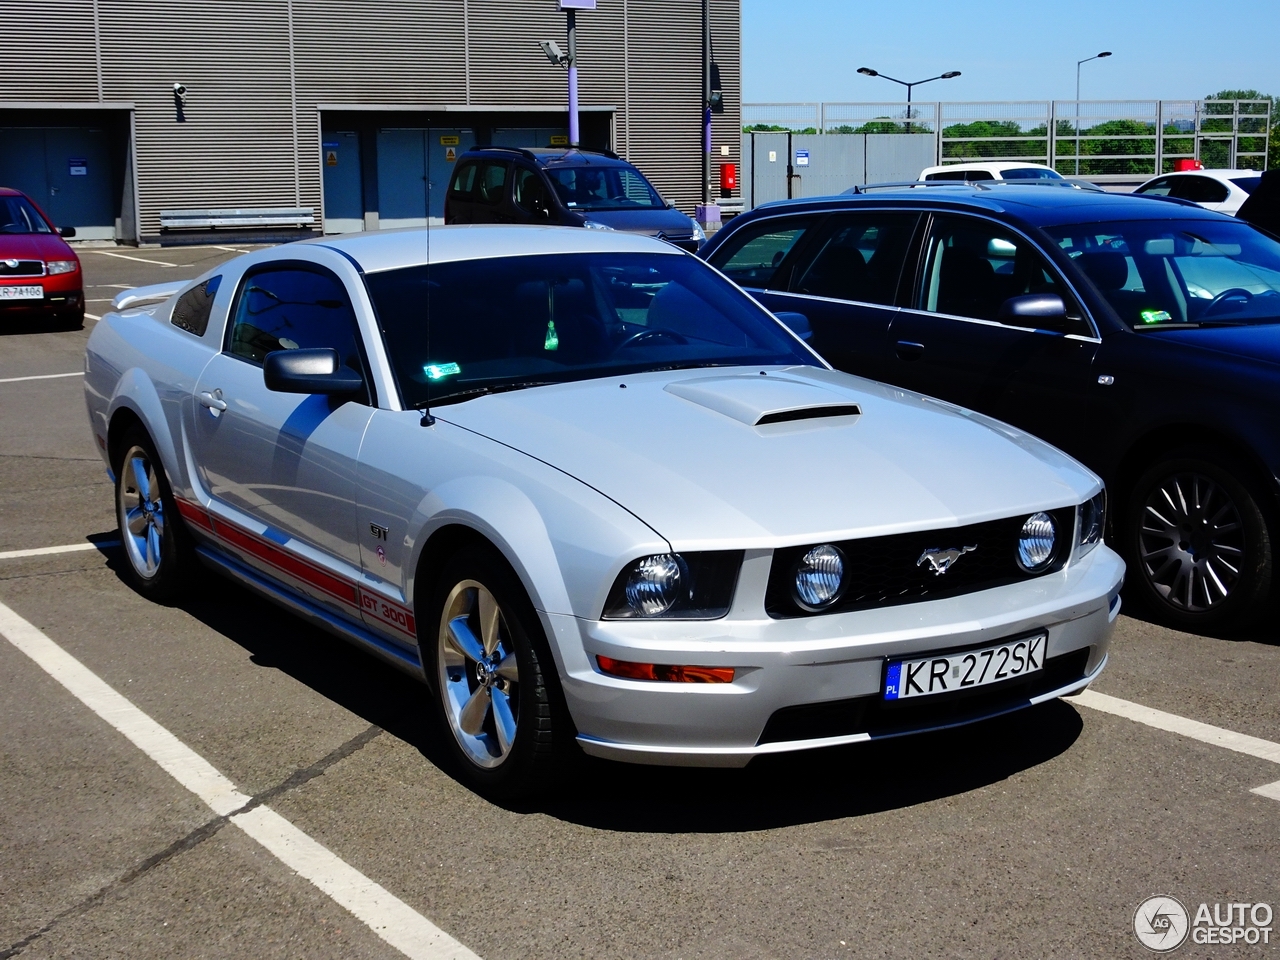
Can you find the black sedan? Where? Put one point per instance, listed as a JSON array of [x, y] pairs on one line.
[[1143, 338]]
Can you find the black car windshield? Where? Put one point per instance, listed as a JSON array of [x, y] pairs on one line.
[[1160, 273], [1030, 173], [511, 322], [585, 188], [17, 215]]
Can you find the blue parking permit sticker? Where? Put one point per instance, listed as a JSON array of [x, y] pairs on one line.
[[891, 681]]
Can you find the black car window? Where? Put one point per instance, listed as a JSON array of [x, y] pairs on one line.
[[1199, 190], [531, 193], [964, 175], [491, 182], [292, 307], [464, 179], [616, 186], [860, 258], [1157, 188], [1247, 184], [973, 266], [191, 312], [751, 256]]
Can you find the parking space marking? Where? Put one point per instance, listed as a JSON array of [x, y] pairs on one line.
[[90, 316], [51, 551], [1194, 729], [125, 256], [393, 920], [43, 376]]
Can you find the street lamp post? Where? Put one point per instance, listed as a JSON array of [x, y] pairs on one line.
[[868, 72], [570, 59], [1079, 63]]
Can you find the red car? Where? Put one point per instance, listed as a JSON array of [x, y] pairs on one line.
[[39, 274]]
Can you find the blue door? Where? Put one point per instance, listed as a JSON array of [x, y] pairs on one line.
[[67, 171]]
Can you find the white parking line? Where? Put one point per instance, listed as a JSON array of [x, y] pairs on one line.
[[43, 376], [385, 914], [90, 316], [125, 256], [50, 551]]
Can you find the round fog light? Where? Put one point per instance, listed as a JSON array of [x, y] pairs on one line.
[[1036, 542], [820, 577], [655, 584]]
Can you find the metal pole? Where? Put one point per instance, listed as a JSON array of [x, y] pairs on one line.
[[909, 86], [706, 100], [573, 78]]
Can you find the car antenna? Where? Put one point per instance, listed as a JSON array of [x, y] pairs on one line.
[[427, 419]]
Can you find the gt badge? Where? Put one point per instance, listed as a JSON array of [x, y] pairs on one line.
[[379, 533], [940, 560]]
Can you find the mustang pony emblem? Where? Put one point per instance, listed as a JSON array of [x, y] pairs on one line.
[[940, 560]]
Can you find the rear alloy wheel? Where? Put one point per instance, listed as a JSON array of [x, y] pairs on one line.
[[157, 548], [1198, 545], [488, 675]]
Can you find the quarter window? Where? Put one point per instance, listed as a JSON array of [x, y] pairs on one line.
[[861, 258], [752, 256], [191, 312], [464, 180]]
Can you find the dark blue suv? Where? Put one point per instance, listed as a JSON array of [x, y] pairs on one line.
[[1141, 336]]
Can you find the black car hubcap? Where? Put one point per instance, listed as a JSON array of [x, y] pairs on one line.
[[1191, 542]]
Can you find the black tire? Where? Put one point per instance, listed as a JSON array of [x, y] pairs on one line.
[[72, 320], [1197, 543], [526, 687], [159, 555]]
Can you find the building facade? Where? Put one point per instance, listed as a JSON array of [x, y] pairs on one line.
[[352, 109]]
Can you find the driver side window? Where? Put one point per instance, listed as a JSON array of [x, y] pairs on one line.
[[291, 308]]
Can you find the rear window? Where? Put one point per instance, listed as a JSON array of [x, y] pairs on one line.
[[191, 312], [1247, 184], [1029, 173], [464, 179]]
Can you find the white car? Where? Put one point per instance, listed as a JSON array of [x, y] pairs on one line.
[[587, 489], [991, 170], [1222, 190]]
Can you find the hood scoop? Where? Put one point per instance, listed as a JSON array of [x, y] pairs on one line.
[[761, 400]]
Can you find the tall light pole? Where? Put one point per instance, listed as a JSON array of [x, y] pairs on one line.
[[868, 72], [570, 59], [1079, 63]]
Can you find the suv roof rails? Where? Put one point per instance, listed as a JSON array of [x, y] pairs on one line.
[[534, 153], [974, 185]]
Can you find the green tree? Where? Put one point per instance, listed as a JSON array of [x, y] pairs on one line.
[[1248, 126], [993, 139]]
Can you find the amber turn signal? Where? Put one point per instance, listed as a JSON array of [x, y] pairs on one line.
[[664, 671]]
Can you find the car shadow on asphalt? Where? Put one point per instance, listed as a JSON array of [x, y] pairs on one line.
[[774, 791]]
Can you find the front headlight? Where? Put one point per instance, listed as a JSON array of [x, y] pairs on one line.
[[698, 233], [692, 586], [54, 267], [596, 225], [1093, 523], [819, 578], [1037, 543]]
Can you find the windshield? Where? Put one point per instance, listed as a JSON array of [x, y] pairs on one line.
[[1029, 173], [510, 322], [17, 215], [1160, 273], [604, 188]]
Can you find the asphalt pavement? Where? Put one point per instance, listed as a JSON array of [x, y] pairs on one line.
[[1035, 835]]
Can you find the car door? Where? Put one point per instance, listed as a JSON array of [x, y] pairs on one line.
[[529, 195], [846, 282], [280, 468], [948, 343], [490, 197]]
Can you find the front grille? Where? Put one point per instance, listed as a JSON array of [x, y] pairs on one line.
[[21, 268], [880, 718], [883, 571]]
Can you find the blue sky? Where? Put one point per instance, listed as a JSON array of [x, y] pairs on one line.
[[1174, 49]]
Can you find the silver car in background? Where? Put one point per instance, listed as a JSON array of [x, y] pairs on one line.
[[586, 489]]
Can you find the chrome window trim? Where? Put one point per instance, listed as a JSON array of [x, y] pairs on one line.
[[996, 323], [821, 299]]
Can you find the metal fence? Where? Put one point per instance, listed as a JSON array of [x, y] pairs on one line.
[[1085, 138]]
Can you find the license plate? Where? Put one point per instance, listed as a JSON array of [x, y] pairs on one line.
[[947, 673], [33, 292]]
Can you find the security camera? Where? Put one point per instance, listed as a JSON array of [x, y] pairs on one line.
[[180, 91], [553, 52]]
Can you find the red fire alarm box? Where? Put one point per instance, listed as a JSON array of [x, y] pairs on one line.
[[728, 176]]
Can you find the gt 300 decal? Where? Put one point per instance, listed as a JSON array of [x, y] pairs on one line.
[[390, 613]]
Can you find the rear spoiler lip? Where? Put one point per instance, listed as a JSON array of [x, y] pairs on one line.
[[156, 291]]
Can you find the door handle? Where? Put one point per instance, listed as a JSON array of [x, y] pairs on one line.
[[213, 401], [909, 350]]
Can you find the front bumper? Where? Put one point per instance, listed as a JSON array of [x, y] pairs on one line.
[[815, 682], [63, 294]]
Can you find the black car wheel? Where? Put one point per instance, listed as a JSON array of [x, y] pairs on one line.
[[159, 554], [487, 662], [1197, 543]]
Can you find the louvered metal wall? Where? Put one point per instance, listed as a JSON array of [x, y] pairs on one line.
[[257, 71]]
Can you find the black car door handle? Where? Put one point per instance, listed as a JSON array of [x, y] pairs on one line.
[[909, 350]]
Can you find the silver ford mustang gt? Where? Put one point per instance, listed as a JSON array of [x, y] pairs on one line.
[[587, 489]]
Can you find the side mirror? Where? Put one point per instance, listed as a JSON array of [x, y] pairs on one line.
[[315, 370], [1043, 310], [797, 323], [66, 232]]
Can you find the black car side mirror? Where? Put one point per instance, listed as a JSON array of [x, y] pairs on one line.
[[314, 370], [66, 232], [797, 323], [1043, 310]]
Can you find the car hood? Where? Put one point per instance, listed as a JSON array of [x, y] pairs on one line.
[[671, 223], [34, 246], [1259, 342], [683, 452]]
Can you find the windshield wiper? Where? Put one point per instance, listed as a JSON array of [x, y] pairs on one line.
[[474, 392]]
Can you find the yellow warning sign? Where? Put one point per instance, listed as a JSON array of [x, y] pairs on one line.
[[559, 141], [448, 141], [331, 158], [450, 155]]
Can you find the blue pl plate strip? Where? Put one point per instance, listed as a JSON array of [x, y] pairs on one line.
[[891, 681]]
